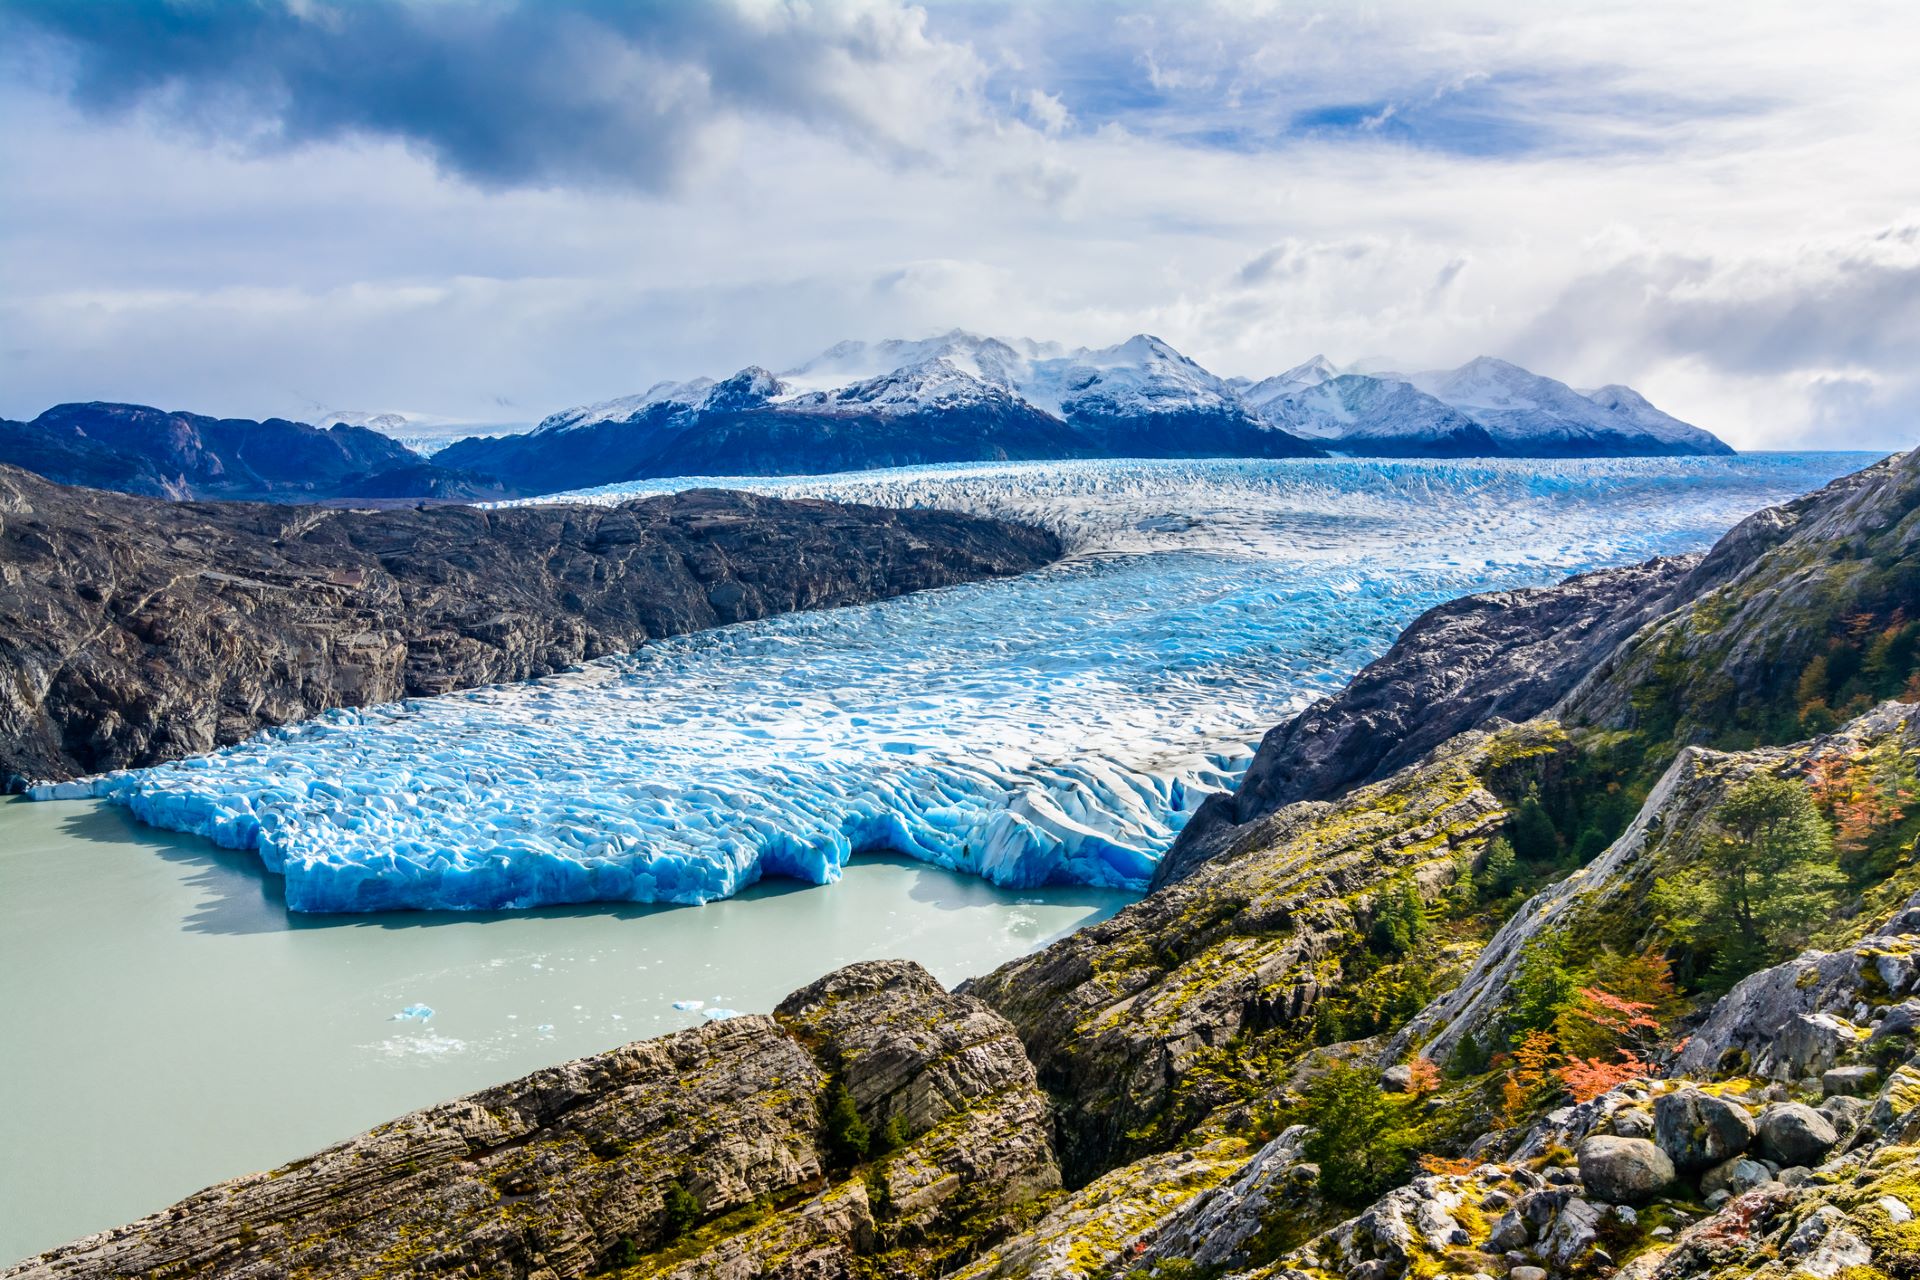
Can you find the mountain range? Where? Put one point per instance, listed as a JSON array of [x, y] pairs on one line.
[[962, 397], [958, 397]]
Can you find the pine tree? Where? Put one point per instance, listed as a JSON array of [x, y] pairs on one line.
[[1535, 838]]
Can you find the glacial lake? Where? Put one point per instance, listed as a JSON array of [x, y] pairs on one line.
[[168, 1022], [165, 1022]]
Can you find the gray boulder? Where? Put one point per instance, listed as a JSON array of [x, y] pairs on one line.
[[1624, 1170], [1854, 1081], [1698, 1130], [1736, 1176], [1631, 1122], [1794, 1133], [1845, 1111]]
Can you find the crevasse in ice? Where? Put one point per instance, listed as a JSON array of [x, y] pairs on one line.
[[1056, 728]]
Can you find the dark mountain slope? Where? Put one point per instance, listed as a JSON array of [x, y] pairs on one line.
[[135, 449]]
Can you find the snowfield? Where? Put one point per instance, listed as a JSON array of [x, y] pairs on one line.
[[1058, 728]]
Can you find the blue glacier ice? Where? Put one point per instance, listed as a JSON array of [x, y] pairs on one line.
[[1057, 728]]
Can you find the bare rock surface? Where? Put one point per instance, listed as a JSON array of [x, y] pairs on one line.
[[138, 630], [567, 1172]]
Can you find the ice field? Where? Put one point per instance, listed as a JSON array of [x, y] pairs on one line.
[[1054, 729]]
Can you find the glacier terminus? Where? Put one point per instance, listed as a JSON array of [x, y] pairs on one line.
[[1054, 729]]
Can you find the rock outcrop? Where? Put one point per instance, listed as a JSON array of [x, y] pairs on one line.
[[587, 1168], [1118, 1015], [1499, 655], [138, 630]]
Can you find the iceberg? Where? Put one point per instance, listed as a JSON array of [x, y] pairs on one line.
[[1059, 728]]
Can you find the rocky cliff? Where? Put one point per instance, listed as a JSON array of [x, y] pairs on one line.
[[140, 630], [1506, 655]]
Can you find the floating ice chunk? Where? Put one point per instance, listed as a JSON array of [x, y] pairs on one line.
[[413, 1013], [720, 1015], [688, 1006]]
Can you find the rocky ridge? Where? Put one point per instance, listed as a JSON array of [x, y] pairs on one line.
[[132, 448], [141, 631], [1506, 655]]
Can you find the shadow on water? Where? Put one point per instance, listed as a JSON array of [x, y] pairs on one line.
[[238, 896]]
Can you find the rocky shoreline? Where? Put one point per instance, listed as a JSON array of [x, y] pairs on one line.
[[141, 630]]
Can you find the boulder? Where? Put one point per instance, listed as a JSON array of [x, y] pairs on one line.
[[1845, 1111], [1854, 1081], [1631, 1122], [1698, 1130], [1794, 1133], [1735, 1176], [1901, 1020], [1624, 1170], [1397, 1079]]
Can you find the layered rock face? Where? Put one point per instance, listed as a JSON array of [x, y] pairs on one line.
[[140, 631], [586, 1168], [1502, 654]]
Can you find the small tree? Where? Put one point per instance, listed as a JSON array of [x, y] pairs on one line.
[[1542, 983], [1535, 838], [847, 1134], [1399, 918], [1619, 1005], [1764, 879], [1498, 874], [1360, 1138], [679, 1210], [894, 1135]]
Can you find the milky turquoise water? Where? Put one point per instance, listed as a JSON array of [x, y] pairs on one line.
[[165, 1022]]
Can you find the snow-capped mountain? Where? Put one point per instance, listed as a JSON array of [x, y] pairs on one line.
[[1633, 406], [1353, 413], [1310, 373], [961, 397], [628, 407], [1528, 414]]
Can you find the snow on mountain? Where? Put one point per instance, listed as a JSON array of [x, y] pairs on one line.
[[1144, 374], [1359, 414], [1002, 361], [392, 424], [1633, 406], [942, 383], [1525, 412], [687, 393], [1311, 373]]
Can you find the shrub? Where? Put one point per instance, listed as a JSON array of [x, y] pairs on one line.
[[848, 1137], [1361, 1137], [680, 1209]]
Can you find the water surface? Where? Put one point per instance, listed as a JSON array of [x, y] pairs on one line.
[[166, 1023]]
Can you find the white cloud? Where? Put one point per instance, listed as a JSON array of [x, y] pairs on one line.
[[1709, 202]]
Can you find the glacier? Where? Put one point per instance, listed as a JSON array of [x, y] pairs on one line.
[[1056, 728]]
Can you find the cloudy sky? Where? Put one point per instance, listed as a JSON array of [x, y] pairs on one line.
[[487, 211]]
